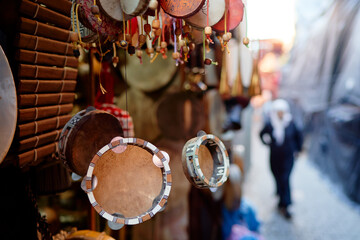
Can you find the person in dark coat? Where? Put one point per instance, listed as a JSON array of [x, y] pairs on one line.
[[284, 139]]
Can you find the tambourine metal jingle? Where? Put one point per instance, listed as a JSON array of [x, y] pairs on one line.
[[205, 161], [129, 189]]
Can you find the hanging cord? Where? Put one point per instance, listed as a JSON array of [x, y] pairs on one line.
[[103, 90], [126, 93], [246, 39]]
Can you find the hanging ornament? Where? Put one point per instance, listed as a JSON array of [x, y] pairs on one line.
[[224, 88], [139, 54], [153, 4], [246, 40]]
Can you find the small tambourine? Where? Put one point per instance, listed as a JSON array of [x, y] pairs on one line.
[[181, 8], [216, 11], [205, 161], [123, 183]]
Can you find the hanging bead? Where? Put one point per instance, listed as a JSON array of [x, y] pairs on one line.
[[158, 32], [226, 37], [192, 46], [182, 43], [76, 52], [186, 29], [156, 24], [208, 30], [95, 9], [142, 39], [153, 4], [207, 61], [139, 53], [123, 43], [74, 37], [175, 55], [246, 41], [163, 44], [131, 50]]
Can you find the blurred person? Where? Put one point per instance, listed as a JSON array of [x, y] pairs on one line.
[[284, 139]]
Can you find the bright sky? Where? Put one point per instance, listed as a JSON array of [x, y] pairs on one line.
[[271, 19]]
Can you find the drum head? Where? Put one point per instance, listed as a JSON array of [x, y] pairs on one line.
[[90, 134], [113, 10], [149, 77], [182, 8], [216, 12], [8, 106], [235, 16], [130, 189], [134, 7]]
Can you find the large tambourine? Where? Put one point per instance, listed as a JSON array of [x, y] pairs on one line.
[[182, 8], [83, 135], [216, 12], [8, 106], [123, 183], [205, 161]]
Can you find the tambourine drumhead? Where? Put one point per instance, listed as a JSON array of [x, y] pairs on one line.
[[234, 16], [134, 7], [181, 8], [113, 10], [91, 131], [216, 11], [8, 106], [130, 189], [149, 77]]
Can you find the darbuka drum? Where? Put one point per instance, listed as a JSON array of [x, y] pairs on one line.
[[134, 7], [216, 11], [182, 8], [112, 9], [234, 16], [8, 106], [84, 135], [124, 185], [205, 161]]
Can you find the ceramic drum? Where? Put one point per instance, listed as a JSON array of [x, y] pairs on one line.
[[205, 161], [84, 135], [124, 185]]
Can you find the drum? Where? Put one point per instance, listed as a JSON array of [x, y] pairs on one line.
[[8, 106], [84, 135], [234, 16], [182, 8], [205, 161], [112, 8], [105, 27], [88, 235], [216, 12], [181, 115], [124, 185], [152, 76], [134, 7]]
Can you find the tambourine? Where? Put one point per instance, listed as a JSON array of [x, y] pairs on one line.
[[205, 161], [234, 16], [124, 185], [216, 12], [181, 9], [112, 8], [104, 26], [134, 7], [83, 135], [8, 106]]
